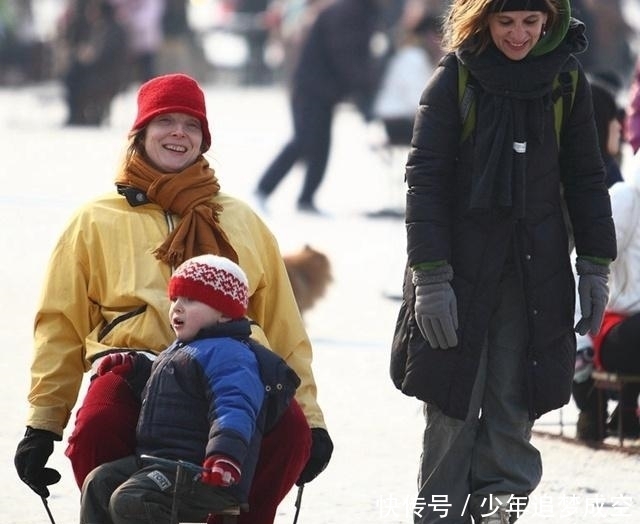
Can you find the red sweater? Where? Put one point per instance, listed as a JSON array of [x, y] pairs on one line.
[[610, 320]]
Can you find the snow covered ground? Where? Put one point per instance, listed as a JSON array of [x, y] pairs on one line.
[[48, 170]]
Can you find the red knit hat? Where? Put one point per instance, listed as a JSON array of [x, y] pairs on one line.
[[216, 281], [175, 93]]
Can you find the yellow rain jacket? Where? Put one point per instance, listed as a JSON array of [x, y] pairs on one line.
[[105, 289]]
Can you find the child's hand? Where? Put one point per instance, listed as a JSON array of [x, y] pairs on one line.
[[220, 471]]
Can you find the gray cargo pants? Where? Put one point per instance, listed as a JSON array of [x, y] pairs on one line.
[[465, 463], [127, 491]]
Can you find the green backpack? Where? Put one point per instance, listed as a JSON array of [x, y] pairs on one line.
[[563, 93]]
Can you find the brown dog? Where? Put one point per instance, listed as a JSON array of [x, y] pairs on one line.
[[310, 274]]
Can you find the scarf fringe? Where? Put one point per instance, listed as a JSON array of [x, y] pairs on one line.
[[172, 258]]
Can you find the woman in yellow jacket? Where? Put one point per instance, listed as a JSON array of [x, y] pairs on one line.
[[105, 292]]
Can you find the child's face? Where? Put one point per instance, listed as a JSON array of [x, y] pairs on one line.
[[189, 316]]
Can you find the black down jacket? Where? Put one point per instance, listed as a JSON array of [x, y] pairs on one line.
[[441, 226], [336, 61]]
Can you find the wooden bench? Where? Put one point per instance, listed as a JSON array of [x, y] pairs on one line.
[[606, 381]]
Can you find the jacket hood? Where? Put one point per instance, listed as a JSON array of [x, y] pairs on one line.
[[567, 28]]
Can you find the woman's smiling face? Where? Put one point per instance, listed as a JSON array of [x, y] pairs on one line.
[[173, 141], [515, 33]]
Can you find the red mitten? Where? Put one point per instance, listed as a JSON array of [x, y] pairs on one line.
[[119, 363], [220, 471]]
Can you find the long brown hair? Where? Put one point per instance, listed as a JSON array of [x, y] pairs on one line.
[[467, 24]]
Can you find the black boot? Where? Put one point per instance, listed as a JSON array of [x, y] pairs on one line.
[[590, 426]]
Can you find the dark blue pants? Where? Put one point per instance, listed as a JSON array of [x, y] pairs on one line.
[[312, 120], [128, 491]]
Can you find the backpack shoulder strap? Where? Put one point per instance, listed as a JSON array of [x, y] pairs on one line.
[[562, 97], [466, 102]]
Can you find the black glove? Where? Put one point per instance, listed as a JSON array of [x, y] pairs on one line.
[[321, 450], [31, 457]]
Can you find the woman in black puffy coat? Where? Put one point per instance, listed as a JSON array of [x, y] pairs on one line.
[[489, 286]]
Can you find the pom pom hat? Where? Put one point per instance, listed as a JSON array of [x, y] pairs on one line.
[[216, 281], [175, 93]]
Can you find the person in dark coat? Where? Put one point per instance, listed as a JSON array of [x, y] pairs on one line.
[[98, 62], [490, 289], [609, 126], [335, 63], [205, 403]]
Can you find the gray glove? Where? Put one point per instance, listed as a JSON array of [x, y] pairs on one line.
[[593, 290], [436, 308]]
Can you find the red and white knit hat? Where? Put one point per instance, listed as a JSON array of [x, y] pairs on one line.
[[216, 281]]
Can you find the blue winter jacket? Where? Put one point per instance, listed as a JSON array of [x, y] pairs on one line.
[[204, 398]]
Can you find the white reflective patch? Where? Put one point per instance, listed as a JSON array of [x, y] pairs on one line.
[[520, 147], [163, 482]]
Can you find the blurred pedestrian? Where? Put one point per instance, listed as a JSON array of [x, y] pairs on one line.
[[23, 56], [105, 293], [295, 20], [253, 18], [97, 67], [181, 48], [405, 77], [143, 21], [607, 115], [489, 288], [335, 64], [611, 37]]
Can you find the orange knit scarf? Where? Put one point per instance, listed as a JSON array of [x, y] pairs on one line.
[[187, 194]]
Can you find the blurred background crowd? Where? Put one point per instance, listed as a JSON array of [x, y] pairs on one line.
[[97, 48]]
